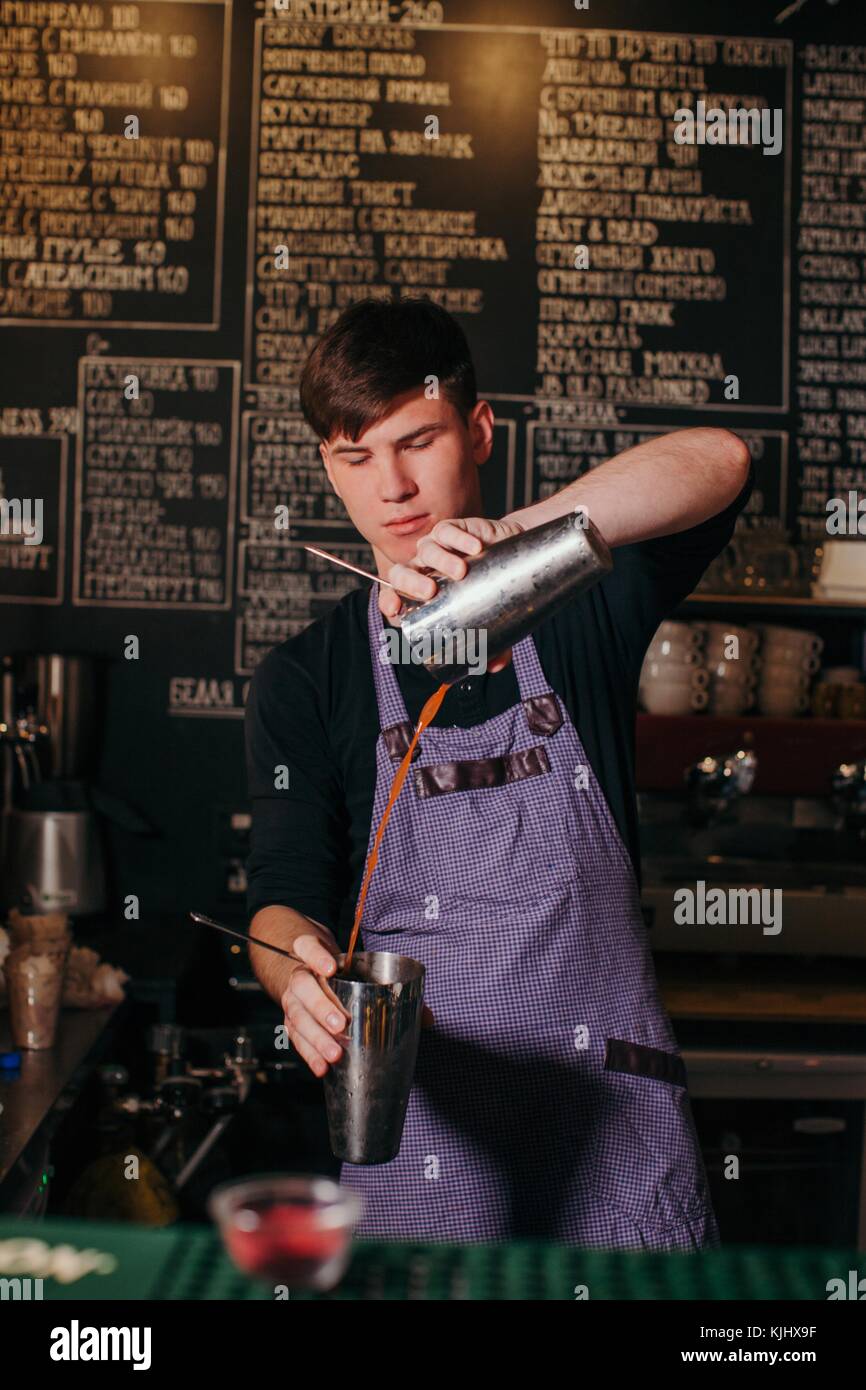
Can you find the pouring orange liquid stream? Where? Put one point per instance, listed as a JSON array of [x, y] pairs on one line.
[[427, 714]]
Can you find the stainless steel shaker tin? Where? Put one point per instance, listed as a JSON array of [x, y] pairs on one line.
[[508, 589], [367, 1090]]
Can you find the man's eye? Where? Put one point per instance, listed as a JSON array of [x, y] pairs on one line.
[[353, 463]]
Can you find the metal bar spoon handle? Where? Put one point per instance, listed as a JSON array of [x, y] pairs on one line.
[[241, 935]]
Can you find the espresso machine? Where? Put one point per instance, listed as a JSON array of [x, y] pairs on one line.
[[51, 857]]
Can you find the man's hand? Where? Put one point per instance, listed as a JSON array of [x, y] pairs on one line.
[[312, 1013], [443, 551], [314, 1018]]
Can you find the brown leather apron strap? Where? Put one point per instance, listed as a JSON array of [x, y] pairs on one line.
[[481, 772], [542, 714], [397, 740], [639, 1060]]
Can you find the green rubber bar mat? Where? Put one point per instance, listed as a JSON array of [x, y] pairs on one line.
[[524, 1270], [173, 1262], [182, 1262]]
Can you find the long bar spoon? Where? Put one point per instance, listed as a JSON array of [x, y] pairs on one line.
[[241, 935], [365, 574]]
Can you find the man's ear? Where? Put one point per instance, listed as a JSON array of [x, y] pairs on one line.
[[481, 431]]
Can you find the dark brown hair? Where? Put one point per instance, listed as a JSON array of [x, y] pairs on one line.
[[376, 350]]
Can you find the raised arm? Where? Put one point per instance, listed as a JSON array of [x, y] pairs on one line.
[[665, 485]]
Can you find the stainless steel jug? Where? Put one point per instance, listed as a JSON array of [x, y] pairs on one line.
[[53, 863]]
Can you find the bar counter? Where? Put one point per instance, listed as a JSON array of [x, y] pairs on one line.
[[187, 1262], [47, 1078]]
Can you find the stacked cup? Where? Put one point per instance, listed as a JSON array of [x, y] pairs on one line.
[[732, 663], [34, 972], [840, 693], [791, 656], [672, 680]]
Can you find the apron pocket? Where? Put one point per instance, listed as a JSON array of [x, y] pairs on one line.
[[645, 1155], [636, 1059], [463, 916]]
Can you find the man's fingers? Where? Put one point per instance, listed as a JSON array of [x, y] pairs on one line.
[[316, 1046], [444, 551], [460, 537], [390, 602], [436, 557], [411, 582], [499, 663], [301, 1024], [437, 549], [311, 952], [319, 1001], [318, 1066]]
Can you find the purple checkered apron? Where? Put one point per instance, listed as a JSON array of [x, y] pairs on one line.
[[550, 1098]]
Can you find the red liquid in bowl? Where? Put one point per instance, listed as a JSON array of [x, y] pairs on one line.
[[288, 1246]]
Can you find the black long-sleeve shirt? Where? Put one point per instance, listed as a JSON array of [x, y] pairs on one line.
[[312, 708]]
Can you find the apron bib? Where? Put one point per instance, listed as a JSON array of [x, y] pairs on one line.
[[550, 1100]]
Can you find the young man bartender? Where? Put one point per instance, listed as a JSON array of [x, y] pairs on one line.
[[550, 1099]]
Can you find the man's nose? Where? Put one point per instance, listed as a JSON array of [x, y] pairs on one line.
[[395, 484]]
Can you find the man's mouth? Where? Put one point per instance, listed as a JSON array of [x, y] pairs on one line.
[[408, 525]]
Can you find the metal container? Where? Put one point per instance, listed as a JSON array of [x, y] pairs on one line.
[[507, 591], [367, 1091], [65, 701], [53, 863]]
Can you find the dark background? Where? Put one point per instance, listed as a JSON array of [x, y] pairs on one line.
[[186, 774]]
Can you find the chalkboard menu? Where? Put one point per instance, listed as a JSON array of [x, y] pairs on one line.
[[192, 190]]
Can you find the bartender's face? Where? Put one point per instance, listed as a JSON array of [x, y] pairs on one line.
[[420, 461]]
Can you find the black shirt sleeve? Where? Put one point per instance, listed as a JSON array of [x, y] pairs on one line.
[[651, 578], [295, 858], [593, 649]]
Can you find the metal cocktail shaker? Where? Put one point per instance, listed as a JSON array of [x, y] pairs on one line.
[[367, 1091], [508, 589]]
